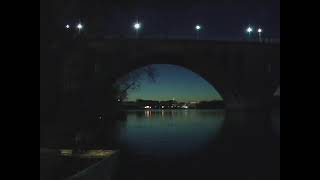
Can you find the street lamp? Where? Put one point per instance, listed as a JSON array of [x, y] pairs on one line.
[[67, 26], [249, 30], [137, 27], [198, 28], [259, 32], [79, 27]]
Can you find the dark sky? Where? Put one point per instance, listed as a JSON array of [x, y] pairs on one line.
[[175, 82], [220, 19]]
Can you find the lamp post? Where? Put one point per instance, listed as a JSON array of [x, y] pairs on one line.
[[137, 27], [260, 32], [198, 28], [79, 27], [249, 30]]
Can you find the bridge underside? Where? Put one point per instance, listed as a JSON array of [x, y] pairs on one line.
[[246, 75]]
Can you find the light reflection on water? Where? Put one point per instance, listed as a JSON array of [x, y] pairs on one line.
[[170, 132]]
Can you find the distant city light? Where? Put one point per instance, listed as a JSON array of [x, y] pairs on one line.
[[147, 107], [67, 26], [185, 107]]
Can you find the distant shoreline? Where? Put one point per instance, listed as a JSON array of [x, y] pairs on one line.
[[142, 109]]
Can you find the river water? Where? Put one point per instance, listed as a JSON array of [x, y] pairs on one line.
[[189, 144], [167, 144], [186, 144], [167, 133]]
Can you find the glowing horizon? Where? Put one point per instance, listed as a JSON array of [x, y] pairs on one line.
[[175, 82]]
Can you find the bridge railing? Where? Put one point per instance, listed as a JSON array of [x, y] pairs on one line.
[[178, 37]]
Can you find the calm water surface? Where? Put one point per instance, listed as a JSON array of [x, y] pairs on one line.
[[180, 144], [170, 132]]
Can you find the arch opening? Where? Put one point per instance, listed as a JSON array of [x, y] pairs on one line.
[[175, 110]]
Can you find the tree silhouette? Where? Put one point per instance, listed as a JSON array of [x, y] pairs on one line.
[[132, 80]]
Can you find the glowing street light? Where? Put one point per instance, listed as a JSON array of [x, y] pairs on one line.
[[67, 26], [198, 28], [137, 27], [249, 29], [259, 32], [79, 27]]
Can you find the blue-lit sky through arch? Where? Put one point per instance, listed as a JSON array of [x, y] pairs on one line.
[[174, 82]]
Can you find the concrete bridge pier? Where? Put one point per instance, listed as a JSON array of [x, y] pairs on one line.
[[249, 127], [252, 121], [249, 143], [248, 122]]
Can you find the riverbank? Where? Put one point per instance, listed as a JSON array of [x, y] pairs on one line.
[[63, 163]]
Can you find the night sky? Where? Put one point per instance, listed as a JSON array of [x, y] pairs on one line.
[[221, 19], [174, 82]]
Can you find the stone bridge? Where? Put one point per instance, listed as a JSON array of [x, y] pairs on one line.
[[246, 74]]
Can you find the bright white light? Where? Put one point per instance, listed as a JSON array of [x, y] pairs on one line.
[[198, 27], [137, 26], [67, 26], [249, 29], [259, 30], [185, 107], [147, 107], [79, 26]]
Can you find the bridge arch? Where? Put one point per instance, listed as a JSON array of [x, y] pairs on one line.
[[240, 72], [214, 76], [178, 63], [184, 70]]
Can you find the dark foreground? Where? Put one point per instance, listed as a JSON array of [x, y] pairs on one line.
[[63, 164], [242, 160], [250, 152]]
